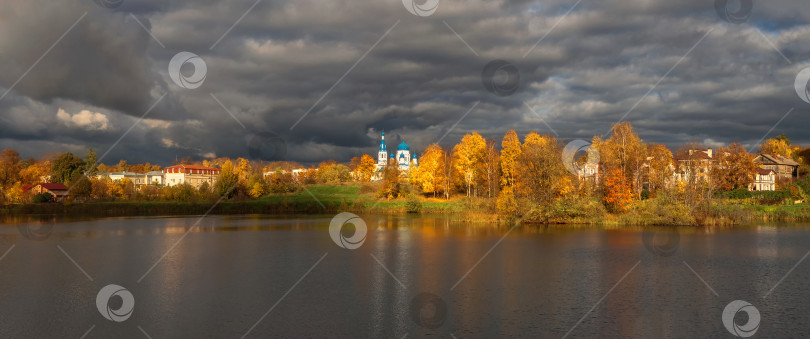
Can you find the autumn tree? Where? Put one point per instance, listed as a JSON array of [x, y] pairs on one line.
[[243, 170], [257, 187], [9, 168], [660, 166], [101, 188], [624, 151], [390, 188], [122, 166], [91, 161], [227, 180], [618, 194], [365, 168], [67, 168], [467, 157], [510, 152], [429, 175], [331, 172], [541, 175], [82, 188], [490, 168], [780, 146], [733, 168]]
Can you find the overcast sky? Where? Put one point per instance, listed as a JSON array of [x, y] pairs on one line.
[[318, 79]]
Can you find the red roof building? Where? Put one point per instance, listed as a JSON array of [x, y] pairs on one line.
[[59, 191], [192, 174]]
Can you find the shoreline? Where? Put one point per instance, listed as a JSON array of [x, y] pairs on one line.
[[721, 215]]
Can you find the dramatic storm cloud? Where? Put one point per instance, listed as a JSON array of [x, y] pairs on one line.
[[325, 77]]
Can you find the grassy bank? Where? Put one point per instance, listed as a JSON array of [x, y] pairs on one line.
[[321, 199], [330, 199]]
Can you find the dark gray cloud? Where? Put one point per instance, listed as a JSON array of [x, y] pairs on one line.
[[675, 69]]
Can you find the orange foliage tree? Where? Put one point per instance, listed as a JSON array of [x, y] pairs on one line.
[[618, 192]]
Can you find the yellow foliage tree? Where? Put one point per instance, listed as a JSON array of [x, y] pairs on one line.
[[624, 151], [733, 168], [661, 166], [257, 190], [510, 152], [779, 146], [467, 158], [365, 169], [540, 171], [429, 175]]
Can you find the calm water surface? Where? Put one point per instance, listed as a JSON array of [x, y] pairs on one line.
[[285, 277]]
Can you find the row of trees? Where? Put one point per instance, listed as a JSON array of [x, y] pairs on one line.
[[533, 172], [512, 173]]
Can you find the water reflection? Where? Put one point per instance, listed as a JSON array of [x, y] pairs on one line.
[[535, 281]]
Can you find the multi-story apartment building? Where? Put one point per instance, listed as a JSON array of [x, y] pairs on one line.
[[192, 174]]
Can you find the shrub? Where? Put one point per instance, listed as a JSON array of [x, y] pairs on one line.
[[506, 204], [42, 197], [645, 194], [413, 205], [759, 197]]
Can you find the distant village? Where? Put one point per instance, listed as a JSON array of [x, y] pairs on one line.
[[473, 166]]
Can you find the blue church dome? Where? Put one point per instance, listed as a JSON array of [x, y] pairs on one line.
[[403, 147], [392, 156]]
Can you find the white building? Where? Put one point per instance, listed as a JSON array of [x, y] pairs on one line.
[[136, 178], [192, 174], [402, 156], [589, 171], [154, 178], [764, 180]]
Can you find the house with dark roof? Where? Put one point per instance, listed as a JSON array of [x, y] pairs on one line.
[[694, 162], [59, 191], [784, 168]]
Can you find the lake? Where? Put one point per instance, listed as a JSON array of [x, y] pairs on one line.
[[258, 276]]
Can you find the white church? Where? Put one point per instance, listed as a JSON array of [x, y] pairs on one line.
[[402, 156]]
